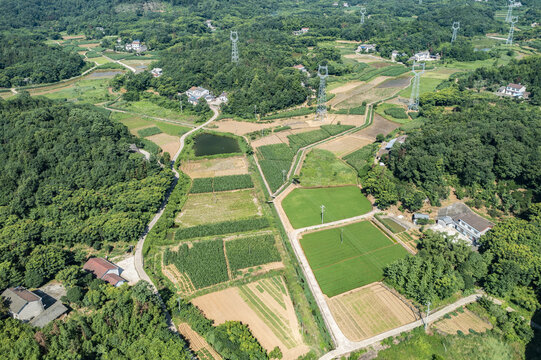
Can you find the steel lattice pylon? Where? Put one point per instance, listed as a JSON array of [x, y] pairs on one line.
[[510, 11], [363, 13], [416, 84], [456, 26], [234, 36], [321, 112], [514, 20]]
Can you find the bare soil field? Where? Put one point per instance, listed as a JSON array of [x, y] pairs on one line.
[[168, 143], [368, 311], [347, 87], [235, 165], [463, 322], [267, 140], [265, 306], [69, 37], [395, 83], [365, 58], [380, 125], [242, 127], [361, 92], [221, 206], [345, 144], [197, 343]]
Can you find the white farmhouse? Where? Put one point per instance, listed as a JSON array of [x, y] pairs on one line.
[[515, 90], [195, 93], [425, 56]]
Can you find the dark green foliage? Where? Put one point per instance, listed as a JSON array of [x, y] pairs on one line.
[[27, 57], [251, 251], [207, 255], [290, 113], [511, 324], [150, 146], [297, 141], [396, 112], [75, 182], [361, 160], [221, 183], [225, 227], [154, 130]]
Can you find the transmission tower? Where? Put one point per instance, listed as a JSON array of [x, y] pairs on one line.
[[510, 11], [456, 26], [363, 13], [321, 112], [234, 36], [514, 20], [414, 99]]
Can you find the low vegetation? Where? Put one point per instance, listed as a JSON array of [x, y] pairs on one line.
[[225, 227], [323, 168], [251, 251], [222, 183]]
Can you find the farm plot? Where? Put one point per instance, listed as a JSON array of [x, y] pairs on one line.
[[234, 165], [204, 262], [198, 344], [380, 125], [303, 206], [462, 322], [345, 144], [265, 306], [251, 251], [274, 159], [369, 311], [322, 168], [182, 281], [221, 183], [349, 257], [362, 159], [218, 207], [168, 143], [392, 225]]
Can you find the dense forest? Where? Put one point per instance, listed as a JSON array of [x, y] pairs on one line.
[[26, 59], [67, 179]]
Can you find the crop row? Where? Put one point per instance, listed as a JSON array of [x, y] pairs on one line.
[[251, 251], [204, 262], [274, 172], [154, 130], [225, 227], [276, 152], [222, 183]]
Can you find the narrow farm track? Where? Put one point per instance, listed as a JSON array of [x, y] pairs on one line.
[[139, 262]]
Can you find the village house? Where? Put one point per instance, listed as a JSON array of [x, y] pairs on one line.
[[366, 48], [105, 271], [136, 46], [301, 68], [464, 220], [195, 93], [29, 307], [424, 56], [223, 97], [514, 90], [303, 30], [156, 72], [420, 219], [387, 146]]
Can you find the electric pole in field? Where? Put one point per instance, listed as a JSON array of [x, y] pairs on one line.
[[322, 212], [456, 26], [341, 236], [510, 11], [513, 21], [416, 84], [234, 36], [427, 313], [363, 13], [284, 172], [321, 112]]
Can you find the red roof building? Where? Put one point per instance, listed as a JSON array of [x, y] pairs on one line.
[[104, 270]]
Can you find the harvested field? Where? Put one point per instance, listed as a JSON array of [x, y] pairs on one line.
[[355, 95], [221, 206], [369, 311], [242, 127], [235, 165], [168, 143], [365, 58], [347, 87], [267, 140], [182, 280], [395, 83], [463, 322], [380, 125], [265, 306], [345, 144], [197, 343]]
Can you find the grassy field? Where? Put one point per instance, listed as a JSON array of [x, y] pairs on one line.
[[136, 122], [211, 208], [381, 110], [86, 90], [323, 168], [148, 108], [349, 257], [302, 206], [392, 225]]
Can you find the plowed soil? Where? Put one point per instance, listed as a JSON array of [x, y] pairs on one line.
[[235, 165], [168, 143], [368, 311], [197, 342], [345, 144], [463, 322]]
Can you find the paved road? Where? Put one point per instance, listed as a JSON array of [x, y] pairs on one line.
[[132, 69], [139, 261]]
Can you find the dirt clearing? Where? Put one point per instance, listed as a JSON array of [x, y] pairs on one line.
[[380, 125], [368, 311], [168, 143], [235, 165], [197, 343], [462, 322], [265, 306]]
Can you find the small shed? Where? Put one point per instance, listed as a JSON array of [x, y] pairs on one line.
[[418, 216]]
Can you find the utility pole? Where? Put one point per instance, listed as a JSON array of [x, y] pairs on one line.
[[322, 212], [341, 236], [456, 26], [415, 88], [510, 11], [513, 21], [321, 112], [255, 111], [284, 172], [180, 100], [363, 13], [234, 36], [427, 314]]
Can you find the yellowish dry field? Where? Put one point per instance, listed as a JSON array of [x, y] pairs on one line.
[[368, 311], [221, 206], [463, 322], [265, 306], [235, 165], [345, 144], [168, 143], [197, 343], [181, 280]]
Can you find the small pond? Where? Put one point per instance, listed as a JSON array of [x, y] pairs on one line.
[[208, 144]]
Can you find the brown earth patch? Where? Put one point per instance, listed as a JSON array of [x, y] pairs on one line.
[[69, 37], [395, 83], [267, 140], [368, 311], [235, 165], [241, 127], [463, 322], [345, 144], [347, 87], [365, 58], [380, 125], [233, 304], [197, 343], [168, 143]]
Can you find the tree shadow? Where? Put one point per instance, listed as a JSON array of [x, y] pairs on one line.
[[533, 348]]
